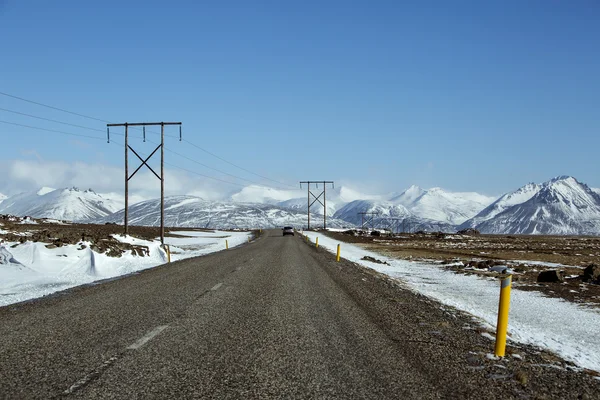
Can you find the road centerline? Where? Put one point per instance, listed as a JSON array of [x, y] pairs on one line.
[[147, 337]]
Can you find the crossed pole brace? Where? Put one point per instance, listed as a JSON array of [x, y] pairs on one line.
[[316, 198], [369, 220], [144, 162]]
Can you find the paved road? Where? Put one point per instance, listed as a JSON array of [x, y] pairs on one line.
[[272, 319]]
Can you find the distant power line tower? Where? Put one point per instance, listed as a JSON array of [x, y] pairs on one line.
[[391, 223], [161, 146], [370, 219], [317, 198]]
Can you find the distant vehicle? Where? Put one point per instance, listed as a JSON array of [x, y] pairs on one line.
[[288, 230]]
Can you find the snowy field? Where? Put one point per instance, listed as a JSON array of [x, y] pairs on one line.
[[31, 270], [564, 328]]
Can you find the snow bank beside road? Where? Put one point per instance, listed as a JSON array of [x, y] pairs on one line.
[[31, 270], [565, 328]]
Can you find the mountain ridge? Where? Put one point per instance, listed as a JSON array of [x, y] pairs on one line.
[[561, 206], [65, 204], [191, 211]]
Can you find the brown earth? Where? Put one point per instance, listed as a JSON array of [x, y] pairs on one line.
[[100, 236], [474, 254]]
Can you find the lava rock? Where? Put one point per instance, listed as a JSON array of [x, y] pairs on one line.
[[374, 260], [551, 275], [469, 232], [591, 273]]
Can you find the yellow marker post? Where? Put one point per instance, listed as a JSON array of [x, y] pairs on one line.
[[317, 242], [337, 258], [167, 252], [502, 325], [226, 244], [248, 239]]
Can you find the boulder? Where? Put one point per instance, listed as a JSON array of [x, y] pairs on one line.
[[551, 275], [469, 231], [591, 273], [374, 260], [375, 233]]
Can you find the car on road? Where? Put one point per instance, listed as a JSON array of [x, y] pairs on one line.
[[288, 230]]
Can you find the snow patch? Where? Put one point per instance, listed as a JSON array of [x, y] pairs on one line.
[[31, 270], [553, 324]]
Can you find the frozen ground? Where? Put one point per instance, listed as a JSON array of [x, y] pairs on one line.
[[564, 328], [31, 270]]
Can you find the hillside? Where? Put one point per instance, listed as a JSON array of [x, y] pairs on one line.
[[562, 206], [69, 204], [190, 211]]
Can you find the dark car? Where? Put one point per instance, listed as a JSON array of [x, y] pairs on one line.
[[288, 230]]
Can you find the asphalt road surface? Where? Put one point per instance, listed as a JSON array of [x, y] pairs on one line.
[[276, 318]]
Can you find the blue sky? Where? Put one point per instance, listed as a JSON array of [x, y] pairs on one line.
[[465, 95]]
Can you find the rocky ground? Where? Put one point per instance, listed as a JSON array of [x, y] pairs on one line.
[[60, 233], [566, 257]]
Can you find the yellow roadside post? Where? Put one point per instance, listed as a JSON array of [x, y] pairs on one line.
[[502, 326], [226, 244], [317, 242], [248, 239], [167, 250], [337, 258]]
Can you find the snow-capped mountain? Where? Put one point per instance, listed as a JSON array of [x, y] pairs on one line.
[[191, 211], [263, 195], [437, 204], [506, 201], [409, 196], [66, 204], [386, 210], [297, 199], [562, 206]]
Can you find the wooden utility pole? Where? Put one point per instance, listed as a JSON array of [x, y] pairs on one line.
[[317, 198], [126, 180], [161, 146]]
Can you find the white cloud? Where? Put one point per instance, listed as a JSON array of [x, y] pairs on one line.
[[26, 175]]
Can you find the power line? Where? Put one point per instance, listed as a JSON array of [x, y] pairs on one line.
[[102, 120], [209, 167], [118, 144], [52, 130], [66, 111], [237, 166], [52, 120], [53, 108], [120, 134], [186, 170], [206, 176]]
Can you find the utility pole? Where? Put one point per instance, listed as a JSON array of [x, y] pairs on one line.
[[369, 220], [161, 146], [317, 198]]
